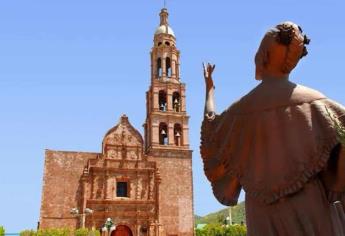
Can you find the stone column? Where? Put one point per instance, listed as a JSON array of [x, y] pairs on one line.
[[94, 187], [169, 100], [173, 68], [164, 72], [84, 190], [157, 183], [153, 67], [152, 229], [185, 138], [171, 133], [108, 187], [155, 134], [155, 101], [183, 102], [151, 186], [177, 70]]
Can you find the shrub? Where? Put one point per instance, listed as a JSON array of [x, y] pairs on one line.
[[2, 231], [81, 232], [200, 232], [236, 230], [221, 230], [60, 232], [94, 233], [28, 233], [86, 232]]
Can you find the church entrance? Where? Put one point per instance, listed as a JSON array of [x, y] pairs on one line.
[[122, 230]]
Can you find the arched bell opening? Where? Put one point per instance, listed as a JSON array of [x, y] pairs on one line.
[[176, 102], [163, 134], [168, 66], [159, 67], [162, 100], [177, 134]]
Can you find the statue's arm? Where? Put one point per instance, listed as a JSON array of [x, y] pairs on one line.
[[209, 123], [333, 176], [341, 168], [226, 188], [209, 111], [337, 168]]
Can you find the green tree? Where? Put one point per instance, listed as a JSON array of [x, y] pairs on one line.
[[2, 231], [235, 230], [220, 219], [214, 230], [221, 230], [200, 232]]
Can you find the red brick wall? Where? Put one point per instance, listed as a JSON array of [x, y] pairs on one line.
[[61, 190], [176, 193]]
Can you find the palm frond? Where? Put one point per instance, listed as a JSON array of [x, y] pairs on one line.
[[338, 126]]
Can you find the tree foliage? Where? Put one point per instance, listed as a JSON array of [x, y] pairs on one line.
[[60, 232], [238, 216], [221, 230], [2, 231]]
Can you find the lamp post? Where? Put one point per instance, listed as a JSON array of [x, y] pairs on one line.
[[75, 212], [230, 216]]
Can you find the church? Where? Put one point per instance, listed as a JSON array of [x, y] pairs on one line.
[[137, 185]]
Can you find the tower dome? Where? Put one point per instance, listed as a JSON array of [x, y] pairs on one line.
[[164, 27]]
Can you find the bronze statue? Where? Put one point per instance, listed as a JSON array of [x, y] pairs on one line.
[[279, 144]]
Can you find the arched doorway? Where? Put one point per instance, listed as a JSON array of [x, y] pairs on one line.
[[122, 230]]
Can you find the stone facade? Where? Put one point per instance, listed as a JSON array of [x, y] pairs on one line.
[[61, 187], [145, 187]]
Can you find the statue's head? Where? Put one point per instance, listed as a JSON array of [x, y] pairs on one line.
[[280, 50]]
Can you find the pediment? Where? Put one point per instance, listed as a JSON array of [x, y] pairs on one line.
[[123, 134]]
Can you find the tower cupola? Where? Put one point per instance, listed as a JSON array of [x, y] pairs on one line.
[[165, 57], [164, 27]]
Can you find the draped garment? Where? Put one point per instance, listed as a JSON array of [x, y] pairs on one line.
[[275, 143]]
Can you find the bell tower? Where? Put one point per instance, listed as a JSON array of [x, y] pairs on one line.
[[167, 121], [166, 132]]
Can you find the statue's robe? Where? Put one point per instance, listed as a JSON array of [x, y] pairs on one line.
[[279, 144]]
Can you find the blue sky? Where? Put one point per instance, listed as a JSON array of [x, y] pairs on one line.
[[69, 69]]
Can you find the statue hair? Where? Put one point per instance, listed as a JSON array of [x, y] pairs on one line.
[[288, 34]]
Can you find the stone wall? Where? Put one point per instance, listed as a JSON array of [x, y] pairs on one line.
[[176, 191], [61, 188]]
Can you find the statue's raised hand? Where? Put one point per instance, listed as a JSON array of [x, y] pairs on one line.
[[208, 70], [209, 103]]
